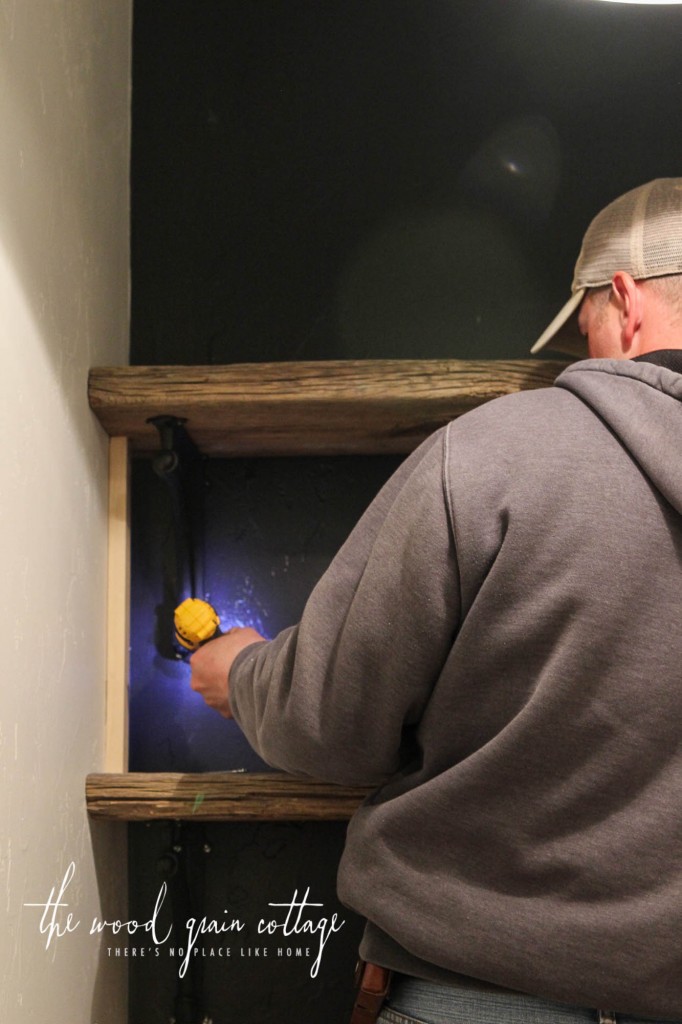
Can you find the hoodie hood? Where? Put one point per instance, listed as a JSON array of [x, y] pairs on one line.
[[641, 402]]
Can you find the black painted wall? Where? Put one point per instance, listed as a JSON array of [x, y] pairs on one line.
[[228, 873], [269, 529], [318, 179]]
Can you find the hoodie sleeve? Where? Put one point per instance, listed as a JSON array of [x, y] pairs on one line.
[[332, 696]]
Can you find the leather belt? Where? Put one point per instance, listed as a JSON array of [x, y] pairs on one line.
[[373, 983]]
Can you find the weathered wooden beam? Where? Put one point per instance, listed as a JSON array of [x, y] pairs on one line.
[[218, 796], [306, 408]]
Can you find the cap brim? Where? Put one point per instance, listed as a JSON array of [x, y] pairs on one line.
[[563, 332]]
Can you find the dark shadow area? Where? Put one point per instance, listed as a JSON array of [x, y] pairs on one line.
[[231, 874], [271, 527], [363, 178]]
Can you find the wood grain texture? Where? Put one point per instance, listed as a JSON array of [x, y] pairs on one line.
[[219, 796], [306, 408], [118, 608]]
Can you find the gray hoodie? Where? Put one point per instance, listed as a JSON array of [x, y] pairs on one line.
[[498, 648]]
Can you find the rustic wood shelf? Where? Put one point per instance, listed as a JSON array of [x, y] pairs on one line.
[[218, 796], [306, 408]]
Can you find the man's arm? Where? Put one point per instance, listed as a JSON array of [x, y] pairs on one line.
[[333, 696]]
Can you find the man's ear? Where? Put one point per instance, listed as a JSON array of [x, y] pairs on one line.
[[628, 300]]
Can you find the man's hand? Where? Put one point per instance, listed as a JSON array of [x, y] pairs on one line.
[[211, 666]]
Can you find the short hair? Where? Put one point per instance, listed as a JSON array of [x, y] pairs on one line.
[[669, 290], [600, 296]]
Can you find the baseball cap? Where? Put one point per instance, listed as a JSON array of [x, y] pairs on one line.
[[641, 233]]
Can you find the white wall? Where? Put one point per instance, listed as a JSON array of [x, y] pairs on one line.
[[64, 299]]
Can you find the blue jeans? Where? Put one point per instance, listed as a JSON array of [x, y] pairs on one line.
[[412, 1001]]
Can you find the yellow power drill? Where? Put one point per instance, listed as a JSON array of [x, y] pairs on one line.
[[195, 622]]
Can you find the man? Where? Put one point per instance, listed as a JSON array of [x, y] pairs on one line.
[[497, 647]]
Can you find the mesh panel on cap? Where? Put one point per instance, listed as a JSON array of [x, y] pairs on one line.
[[640, 232]]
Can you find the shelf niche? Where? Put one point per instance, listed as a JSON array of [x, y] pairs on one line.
[[354, 407]]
